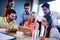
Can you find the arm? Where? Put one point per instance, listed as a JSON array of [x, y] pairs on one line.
[[54, 34], [42, 31], [5, 10], [36, 26]]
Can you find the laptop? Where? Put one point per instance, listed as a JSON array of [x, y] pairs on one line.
[[22, 29]]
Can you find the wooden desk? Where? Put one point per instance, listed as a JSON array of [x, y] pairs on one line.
[[18, 38], [26, 37]]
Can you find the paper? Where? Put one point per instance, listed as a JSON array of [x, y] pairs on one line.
[[5, 37]]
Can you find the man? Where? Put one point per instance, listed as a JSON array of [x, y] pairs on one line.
[[9, 21], [53, 14], [25, 14]]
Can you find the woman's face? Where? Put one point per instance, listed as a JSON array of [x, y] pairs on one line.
[[32, 17], [44, 22], [11, 4]]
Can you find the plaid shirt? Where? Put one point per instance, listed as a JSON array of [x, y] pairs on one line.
[[4, 23]]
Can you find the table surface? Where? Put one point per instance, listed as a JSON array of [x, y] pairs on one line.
[[26, 37]]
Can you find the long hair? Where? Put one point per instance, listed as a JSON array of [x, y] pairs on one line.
[[8, 3], [34, 16], [49, 20]]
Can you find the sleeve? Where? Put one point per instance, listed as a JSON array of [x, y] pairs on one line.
[[54, 34], [42, 31], [36, 26], [5, 10], [25, 25], [14, 25]]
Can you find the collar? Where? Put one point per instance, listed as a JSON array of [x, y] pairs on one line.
[[5, 19]]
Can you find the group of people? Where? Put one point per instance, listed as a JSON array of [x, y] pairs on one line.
[[47, 29]]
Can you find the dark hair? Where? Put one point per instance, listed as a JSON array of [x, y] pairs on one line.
[[49, 20], [10, 11], [26, 4], [46, 5], [10, 1]]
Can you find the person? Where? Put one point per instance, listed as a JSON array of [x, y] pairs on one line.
[[9, 6], [31, 23], [54, 34], [25, 14], [46, 24], [50, 33], [55, 15], [9, 21]]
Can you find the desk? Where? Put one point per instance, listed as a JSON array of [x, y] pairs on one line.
[[18, 38], [26, 37]]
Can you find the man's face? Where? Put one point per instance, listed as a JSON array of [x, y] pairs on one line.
[[12, 16], [45, 10], [26, 8]]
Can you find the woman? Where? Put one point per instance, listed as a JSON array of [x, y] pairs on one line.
[[9, 6], [31, 23], [46, 25]]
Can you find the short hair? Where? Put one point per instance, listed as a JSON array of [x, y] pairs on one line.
[[26, 4], [10, 11], [46, 5]]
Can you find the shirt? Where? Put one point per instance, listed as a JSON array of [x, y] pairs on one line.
[[54, 34], [24, 17], [4, 23], [34, 27]]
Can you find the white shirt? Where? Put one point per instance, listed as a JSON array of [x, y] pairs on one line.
[[54, 34], [42, 30]]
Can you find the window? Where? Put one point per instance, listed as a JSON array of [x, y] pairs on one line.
[[54, 6]]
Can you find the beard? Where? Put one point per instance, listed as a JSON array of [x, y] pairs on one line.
[[10, 19]]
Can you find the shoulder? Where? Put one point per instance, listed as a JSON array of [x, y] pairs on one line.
[[23, 12], [54, 12], [36, 23], [5, 8], [26, 22], [54, 30]]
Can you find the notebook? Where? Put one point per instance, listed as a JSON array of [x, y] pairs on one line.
[[24, 30], [6, 37]]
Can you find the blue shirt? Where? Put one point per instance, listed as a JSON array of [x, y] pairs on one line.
[[24, 18]]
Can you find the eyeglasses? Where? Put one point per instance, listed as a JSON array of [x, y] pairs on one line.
[[44, 21]]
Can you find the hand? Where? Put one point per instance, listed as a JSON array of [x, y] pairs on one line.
[[42, 38], [7, 29], [46, 39], [28, 33], [10, 30]]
